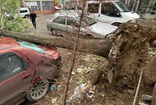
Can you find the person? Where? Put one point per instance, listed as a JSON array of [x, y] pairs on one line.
[[33, 18]]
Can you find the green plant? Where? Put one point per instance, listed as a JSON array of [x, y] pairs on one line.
[[11, 7], [56, 3]]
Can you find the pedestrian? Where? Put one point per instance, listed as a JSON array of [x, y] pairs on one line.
[[33, 18]]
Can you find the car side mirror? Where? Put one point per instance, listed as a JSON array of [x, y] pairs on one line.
[[118, 14]]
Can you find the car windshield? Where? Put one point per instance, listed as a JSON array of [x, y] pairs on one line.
[[31, 46], [122, 7], [87, 21]]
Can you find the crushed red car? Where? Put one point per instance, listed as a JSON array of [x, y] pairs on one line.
[[25, 70]]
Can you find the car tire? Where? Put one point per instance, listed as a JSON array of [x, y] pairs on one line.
[[38, 90], [54, 32]]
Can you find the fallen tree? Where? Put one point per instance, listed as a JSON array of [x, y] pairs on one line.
[[127, 50], [93, 46], [127, 53]]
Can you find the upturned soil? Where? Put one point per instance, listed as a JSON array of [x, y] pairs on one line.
[[92, 74]]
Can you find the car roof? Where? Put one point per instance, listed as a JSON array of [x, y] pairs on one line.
[[7, 42], [70, 13]]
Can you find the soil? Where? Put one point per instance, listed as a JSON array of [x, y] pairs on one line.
[[93, 69]]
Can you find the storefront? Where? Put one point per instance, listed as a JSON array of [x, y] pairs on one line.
[[40, 6]]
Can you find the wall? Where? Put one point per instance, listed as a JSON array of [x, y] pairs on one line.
[[40, 6]]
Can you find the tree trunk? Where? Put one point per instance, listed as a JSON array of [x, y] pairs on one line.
[[127, 52], [93, 46], [154, 95]]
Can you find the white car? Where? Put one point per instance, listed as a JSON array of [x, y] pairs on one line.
[[67, 24], [23, 12]]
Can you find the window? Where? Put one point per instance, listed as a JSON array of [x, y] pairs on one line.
[[10, 65], [93, 7], [47, 5], [60, 19], [122, 7], [23, 11], [109, 9], [72, 22], [33, 5]]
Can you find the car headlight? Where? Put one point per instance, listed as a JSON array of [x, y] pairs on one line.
[[137, 20], [108, 36]]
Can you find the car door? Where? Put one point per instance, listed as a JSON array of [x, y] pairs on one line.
[[72, 26], [109, 13], [15, 77], [59, 24]]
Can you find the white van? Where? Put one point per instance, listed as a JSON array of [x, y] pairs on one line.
[[110, 11], [24, 12]]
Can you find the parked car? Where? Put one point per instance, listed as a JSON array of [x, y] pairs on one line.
[[25, 70], [67, 24], [23, 12], [111, 11], [107, 11]]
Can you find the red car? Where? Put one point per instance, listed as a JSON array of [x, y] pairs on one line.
[[25, 70]]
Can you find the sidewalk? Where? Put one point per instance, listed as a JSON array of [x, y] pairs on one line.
[[40, 25]]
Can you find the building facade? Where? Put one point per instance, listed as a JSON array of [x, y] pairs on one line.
[[40, 6]]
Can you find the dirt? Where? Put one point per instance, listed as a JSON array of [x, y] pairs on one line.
[[95, 69]]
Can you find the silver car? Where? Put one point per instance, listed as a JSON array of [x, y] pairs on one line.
[[67, 24]]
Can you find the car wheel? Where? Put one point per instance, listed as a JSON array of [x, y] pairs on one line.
[[38, 90], [54, 32]]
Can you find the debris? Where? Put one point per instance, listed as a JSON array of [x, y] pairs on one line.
[[59, 86], [90, 94], [53, 100], [73, 73], [81, 92], [146, 98], [142, 103], [52, 87], [102, 95]]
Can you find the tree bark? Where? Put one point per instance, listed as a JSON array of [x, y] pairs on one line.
[[154, 95], [93, 46]]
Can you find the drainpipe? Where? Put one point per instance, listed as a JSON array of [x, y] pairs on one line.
[[54, 5]]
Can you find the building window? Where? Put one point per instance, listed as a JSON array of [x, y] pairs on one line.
[[34, 5], [47, 5]]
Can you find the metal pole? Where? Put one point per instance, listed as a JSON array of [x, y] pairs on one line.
[[136, 94]]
